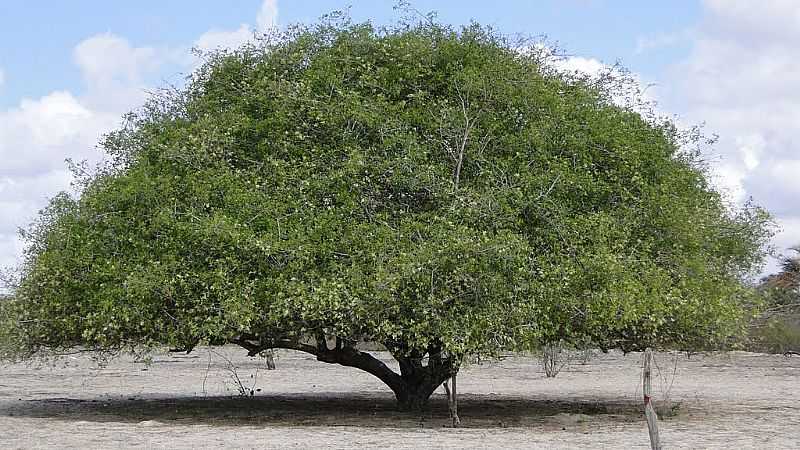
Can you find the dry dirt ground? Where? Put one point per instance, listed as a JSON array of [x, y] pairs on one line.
[[734, 400]]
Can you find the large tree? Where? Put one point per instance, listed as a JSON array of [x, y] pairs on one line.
[[438, 191]]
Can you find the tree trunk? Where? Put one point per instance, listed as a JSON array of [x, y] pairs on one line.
[[413, 394], [420, 381], [412, 387]]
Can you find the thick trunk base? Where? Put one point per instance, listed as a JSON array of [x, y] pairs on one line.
[[412, 404], [414, 393], [414, 401]]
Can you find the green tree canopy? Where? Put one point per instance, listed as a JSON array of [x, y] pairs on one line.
[[434, 190]]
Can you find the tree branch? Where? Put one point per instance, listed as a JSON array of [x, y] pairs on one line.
[[256, 346], [346, 356]]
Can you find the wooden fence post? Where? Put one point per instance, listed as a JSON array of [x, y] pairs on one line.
[[649, 411], [452, 400], [269, 356]]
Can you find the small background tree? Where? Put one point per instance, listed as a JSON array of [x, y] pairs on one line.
[[777, 327], [553, 357]]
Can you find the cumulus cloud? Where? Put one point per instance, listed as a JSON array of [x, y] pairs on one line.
[[10, 247], [742, 78], [267, 15], [588, 66], [21, 197], [767, 19], [117, 83], [222, 39], [266, 19], [106, 58], [37, 135]]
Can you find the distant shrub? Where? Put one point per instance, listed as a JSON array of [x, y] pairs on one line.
[[553, 358], [776, 335], [777, 327]]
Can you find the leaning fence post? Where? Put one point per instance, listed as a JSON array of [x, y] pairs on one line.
[[452, 400], [649, 411], [269, 356]]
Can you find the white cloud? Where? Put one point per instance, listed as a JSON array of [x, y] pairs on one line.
[[751, 148], [10, 251], [2, 78], [767, 19], [37, 135], [728, 180], [220, 39], [588, 66], [267, 15], [742, 78], [22, 197], [786, 174], [107, 58], [266, 19], [787, 237], [117, 73], [776, 184]]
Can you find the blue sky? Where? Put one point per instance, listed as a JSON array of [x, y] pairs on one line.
[[38, 36], [68, 70]]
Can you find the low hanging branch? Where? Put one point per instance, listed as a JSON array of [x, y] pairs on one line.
[[412, 386]]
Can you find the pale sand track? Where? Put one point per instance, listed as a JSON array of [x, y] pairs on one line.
[[736, 400]]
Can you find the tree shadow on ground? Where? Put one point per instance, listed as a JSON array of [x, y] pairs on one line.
[[327, 409]]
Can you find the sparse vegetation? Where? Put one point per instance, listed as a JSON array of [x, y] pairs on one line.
[[241, 386], [666, 373], [777, 327], [776, 335], [553, 357]]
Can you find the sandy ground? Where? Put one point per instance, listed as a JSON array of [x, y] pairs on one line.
[[734, 400]]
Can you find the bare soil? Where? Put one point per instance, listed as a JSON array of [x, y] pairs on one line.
[[731, 400]]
